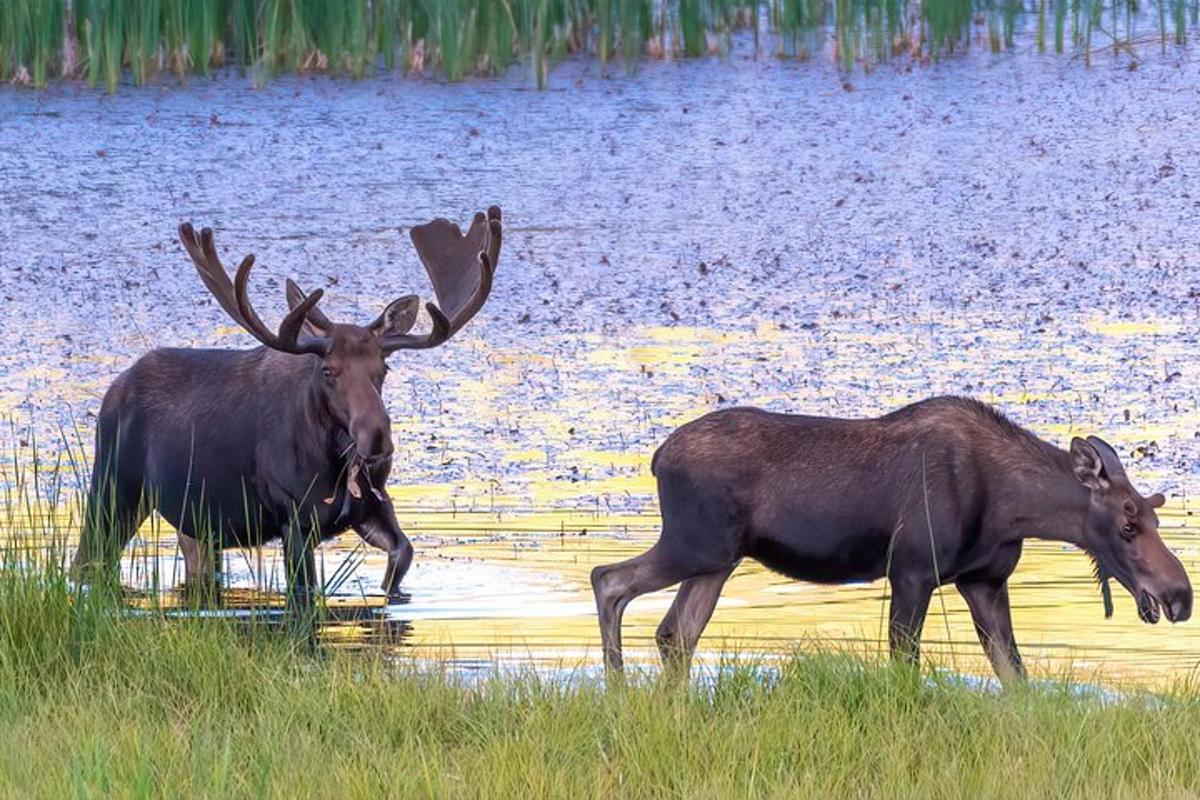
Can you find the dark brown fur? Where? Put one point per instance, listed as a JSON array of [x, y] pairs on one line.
[[238, 447], [941, 491], [287, 441]]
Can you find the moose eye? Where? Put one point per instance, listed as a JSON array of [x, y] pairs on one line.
[[1128, 531], [327, 373]]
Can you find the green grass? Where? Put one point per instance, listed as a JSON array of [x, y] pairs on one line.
[[102, 40], [99, 701], [96, 704]]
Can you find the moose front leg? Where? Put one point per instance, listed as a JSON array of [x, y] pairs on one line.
[[988, 601], [910, 602], [381, 530], [301, 568]]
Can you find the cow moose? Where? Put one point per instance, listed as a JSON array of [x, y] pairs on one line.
[[289, 440], [944, 490]]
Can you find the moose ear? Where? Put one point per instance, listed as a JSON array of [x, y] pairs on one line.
[[1156, 500], [1087, 466], [398, 318]]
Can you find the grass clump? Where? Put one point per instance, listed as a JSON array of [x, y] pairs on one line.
[[99, 40], [99, 698], [95, 701]]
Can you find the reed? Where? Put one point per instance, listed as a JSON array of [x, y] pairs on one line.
[[101, 697], [96, 700], [102, 41]]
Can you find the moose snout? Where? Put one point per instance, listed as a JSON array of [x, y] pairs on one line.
[[373, 442], [1174, 590], [1177, 603]]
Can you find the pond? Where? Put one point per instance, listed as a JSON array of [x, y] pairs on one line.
[[699, 235]]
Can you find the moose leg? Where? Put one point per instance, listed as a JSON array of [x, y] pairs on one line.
[[381, 530], [200, 560], [112, 517], [615, 585], [300, 559], [988, 601], [910, 602], [680, 629]]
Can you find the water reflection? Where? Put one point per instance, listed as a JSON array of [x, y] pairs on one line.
[[344, 623], [789, 244], [510, 589]]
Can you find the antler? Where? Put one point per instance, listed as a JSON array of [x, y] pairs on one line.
[[461, 270], [232, 297], [315, 316]]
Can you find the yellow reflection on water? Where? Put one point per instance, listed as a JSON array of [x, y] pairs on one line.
[[513, 587], [1057, 610], [1127, 327], [512, 495]]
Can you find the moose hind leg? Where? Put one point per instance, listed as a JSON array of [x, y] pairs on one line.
[[615, 585], [681, 628], [112, 515], [200, 566]]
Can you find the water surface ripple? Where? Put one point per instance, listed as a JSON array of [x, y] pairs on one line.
[[698, 235]]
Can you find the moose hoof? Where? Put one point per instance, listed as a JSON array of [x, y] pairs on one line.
[[202, 593], [396, 595]]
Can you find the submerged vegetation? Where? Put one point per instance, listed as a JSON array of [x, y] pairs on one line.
[[102, 40]]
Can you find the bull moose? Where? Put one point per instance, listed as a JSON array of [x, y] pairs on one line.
[[288, 440], [944, 490]]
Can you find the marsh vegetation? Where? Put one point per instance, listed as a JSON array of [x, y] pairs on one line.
[[689, 238], [102, 40], [806, 252], [96, 700]]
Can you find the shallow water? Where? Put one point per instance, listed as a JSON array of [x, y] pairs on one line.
[[511, 589], [699, 235]]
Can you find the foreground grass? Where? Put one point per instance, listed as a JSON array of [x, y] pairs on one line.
[[98, 703], [97, 700]]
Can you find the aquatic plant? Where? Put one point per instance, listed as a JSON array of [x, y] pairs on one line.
[[101, 40], [107, 694], [98, 701]]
